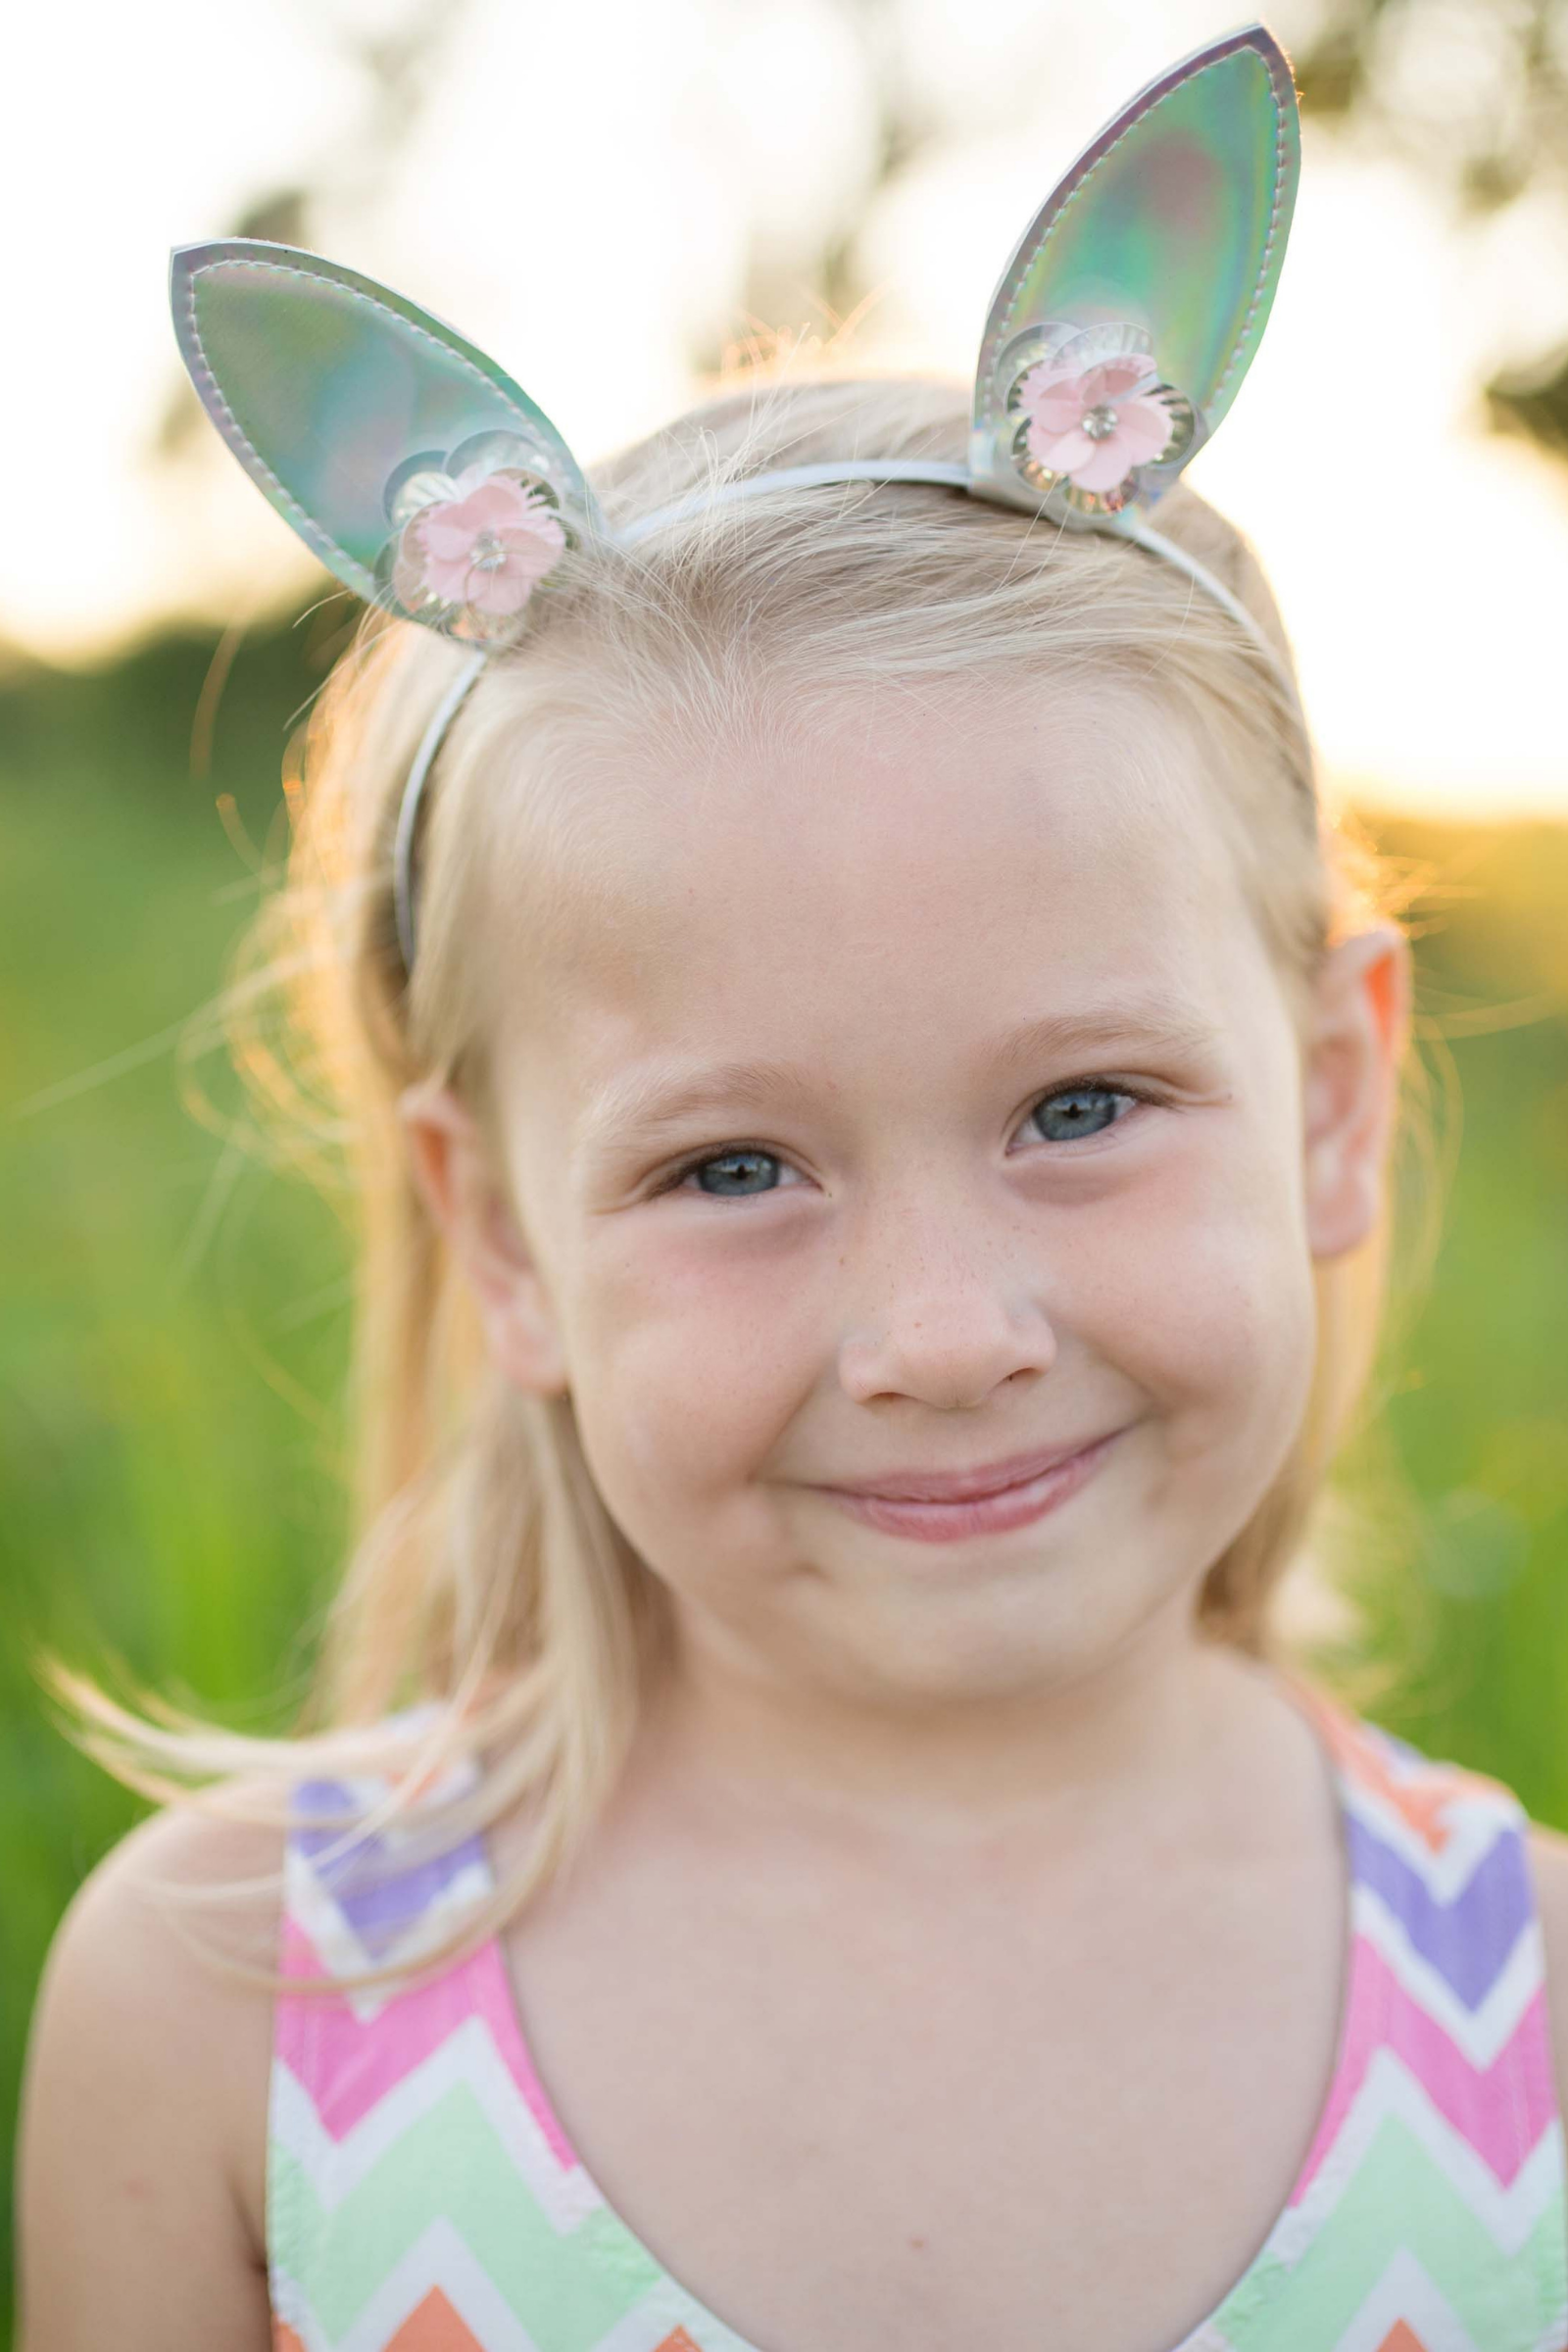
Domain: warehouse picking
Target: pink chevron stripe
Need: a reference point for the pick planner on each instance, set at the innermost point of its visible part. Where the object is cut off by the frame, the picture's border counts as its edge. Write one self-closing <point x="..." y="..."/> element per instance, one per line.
<point x="1500" y="2112"/>
<point x="346" y="2067"/>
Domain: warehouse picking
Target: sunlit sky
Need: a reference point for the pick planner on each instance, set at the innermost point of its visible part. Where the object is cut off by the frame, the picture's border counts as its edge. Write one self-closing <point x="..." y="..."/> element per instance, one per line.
<point x="578" y="195"/>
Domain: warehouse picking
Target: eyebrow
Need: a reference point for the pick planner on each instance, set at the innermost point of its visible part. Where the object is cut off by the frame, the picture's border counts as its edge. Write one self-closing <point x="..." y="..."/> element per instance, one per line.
<point x="647" y="1104"/>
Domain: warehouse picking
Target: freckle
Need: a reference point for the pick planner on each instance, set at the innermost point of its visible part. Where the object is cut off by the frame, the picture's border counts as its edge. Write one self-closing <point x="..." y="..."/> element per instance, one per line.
<point x="917" y="2241"/>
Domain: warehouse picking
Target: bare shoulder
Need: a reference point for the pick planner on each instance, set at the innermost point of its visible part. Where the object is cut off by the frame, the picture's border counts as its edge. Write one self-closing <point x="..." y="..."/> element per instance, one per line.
<point x="1548" y="1862"/>
<point x="144" y="2106"/>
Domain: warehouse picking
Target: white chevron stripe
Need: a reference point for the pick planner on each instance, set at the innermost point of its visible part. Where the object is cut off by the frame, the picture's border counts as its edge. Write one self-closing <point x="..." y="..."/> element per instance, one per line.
<point x="467" y="2057"/>
<point x="286" y="2296"/>
<point x="1390" y="2088"/>
<point x="342" y="1952"/>
<point x="1478" y="2033"/>
<point x="1406" y="2292"/>
<point x="1474" y="1826"/>
<point x="438" y="2257"/>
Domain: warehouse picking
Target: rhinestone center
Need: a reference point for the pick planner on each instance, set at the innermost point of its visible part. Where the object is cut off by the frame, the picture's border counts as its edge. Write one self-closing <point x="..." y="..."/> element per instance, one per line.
<point x="1099" y="421"/>
<point x="488" y="554"/>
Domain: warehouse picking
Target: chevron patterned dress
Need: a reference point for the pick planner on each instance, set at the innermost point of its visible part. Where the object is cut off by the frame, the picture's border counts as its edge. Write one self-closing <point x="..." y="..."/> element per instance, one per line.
<point x="423" y="2197"/>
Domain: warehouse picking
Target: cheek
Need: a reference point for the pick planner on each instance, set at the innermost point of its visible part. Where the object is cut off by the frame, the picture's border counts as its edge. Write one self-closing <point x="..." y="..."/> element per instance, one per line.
<point x="694" y="1359"/>
<point x="1198" y="1283"/>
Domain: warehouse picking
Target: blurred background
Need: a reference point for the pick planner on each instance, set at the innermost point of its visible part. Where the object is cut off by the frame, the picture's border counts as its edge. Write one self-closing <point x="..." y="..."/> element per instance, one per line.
<point x="618" y="202"/>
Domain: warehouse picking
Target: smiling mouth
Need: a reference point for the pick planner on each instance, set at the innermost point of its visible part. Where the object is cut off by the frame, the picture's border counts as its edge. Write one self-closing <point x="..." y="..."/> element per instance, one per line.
<point x="993" y="1512"/>
<point x="968" y="1486"/>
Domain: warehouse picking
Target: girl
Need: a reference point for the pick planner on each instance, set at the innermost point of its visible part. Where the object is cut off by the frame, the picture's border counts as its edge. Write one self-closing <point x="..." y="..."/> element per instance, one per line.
<point x="872" y="1077"/>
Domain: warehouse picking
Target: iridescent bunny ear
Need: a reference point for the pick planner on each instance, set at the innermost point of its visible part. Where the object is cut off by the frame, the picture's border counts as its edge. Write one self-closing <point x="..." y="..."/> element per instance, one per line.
<point x="407" y="461"/>
<point x="1128" y="316"/>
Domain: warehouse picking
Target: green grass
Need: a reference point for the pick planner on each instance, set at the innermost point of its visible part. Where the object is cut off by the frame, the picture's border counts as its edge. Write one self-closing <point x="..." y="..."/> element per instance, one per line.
<point x="164" y="1500"/>
<point x="174" y="1329"/>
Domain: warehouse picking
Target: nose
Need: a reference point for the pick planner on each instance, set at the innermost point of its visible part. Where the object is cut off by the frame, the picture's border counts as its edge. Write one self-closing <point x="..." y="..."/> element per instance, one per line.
<point x="956" y="1318"/>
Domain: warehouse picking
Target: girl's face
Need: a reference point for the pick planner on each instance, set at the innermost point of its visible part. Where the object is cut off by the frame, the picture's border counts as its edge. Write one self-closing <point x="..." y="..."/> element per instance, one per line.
<point x="927" y="1099"/>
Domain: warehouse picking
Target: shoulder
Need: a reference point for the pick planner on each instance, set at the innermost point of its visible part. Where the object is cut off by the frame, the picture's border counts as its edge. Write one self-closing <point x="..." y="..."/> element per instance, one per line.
<point x="144" y="2115"/>
<point x="1548" y="1863"/>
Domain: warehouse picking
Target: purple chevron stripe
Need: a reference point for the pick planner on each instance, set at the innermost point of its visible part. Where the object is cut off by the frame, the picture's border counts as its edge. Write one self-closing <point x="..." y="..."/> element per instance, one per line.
<point x="379" y="1896"/>
<point x="1466" y="1941"/>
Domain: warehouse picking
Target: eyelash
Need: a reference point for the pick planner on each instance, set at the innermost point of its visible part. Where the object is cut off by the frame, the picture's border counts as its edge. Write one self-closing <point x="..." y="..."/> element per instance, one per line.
<point x="1076" y="1086"/>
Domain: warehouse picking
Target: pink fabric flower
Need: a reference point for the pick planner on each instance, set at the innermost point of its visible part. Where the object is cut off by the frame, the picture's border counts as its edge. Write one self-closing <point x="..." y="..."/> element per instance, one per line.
<point x="1095" y="424"/>
<point x="487" y="549"/>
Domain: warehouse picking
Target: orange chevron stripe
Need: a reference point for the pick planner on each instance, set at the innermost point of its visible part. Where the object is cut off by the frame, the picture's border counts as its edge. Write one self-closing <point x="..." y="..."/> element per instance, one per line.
<point x="680" y="2341"/>
<point x="1401" y="2338"/>
<point x="1421" y="1804"/>
<point x="434" y="2327"/>
<point x="284" y="2338"/>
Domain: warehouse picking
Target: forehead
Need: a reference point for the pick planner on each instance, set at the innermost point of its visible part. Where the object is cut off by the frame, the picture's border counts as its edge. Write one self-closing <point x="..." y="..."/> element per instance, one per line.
<point x="873" y="888"/>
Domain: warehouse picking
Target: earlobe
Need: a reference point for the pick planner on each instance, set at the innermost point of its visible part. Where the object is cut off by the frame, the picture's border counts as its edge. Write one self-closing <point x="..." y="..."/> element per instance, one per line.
<point x="1358" y="1045"/>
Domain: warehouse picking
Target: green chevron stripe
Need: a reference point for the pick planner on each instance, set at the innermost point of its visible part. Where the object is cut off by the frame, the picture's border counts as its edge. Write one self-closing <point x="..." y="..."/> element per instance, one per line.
<point x="450" y="2165"/>
<point x="577" y="2287"/>
<point x="1399" y="2202"/>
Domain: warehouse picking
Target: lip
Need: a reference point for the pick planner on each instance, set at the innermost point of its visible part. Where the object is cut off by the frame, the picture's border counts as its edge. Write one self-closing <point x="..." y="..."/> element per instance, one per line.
<point x="964" y="1486"/>
<point x="978" y="1515"/>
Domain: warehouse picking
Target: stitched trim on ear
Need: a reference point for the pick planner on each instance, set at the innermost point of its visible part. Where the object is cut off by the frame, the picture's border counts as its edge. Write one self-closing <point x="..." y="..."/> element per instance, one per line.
<point x="1280" y="143"/>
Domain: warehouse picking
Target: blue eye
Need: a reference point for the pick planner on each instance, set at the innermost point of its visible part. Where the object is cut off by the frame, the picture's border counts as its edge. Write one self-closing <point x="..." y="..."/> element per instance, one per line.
<point x="740" y="1163"/>
<point x="1083" y="1110"/>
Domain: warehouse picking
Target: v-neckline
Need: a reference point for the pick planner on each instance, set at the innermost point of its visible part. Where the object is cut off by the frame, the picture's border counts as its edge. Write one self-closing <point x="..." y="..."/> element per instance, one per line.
<point x="1262" y="2276"/>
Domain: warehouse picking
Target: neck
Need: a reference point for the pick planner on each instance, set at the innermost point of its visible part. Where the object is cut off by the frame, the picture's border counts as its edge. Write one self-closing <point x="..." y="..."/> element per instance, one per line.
<point x="1069" y="1756"/>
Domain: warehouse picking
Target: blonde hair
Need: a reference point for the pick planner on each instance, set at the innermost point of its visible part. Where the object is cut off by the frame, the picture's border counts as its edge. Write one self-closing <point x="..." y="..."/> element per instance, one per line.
<point x="488" y="1577"/>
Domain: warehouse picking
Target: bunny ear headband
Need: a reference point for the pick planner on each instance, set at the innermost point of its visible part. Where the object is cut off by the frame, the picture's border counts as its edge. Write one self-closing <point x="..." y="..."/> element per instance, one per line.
<point x="1117" y="338"/>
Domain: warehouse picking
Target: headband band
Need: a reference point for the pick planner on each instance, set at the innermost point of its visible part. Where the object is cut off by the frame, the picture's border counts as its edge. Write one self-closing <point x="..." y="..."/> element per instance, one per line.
<point x="789" y="478"/>
<point x="1117" y="338"/>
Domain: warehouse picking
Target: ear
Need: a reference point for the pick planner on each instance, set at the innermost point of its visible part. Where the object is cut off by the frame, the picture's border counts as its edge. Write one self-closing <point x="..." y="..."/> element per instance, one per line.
<point x="468" y="1196"/>
<point x="361" y="417"/>
<point x="1165" y="237"/>
<point x="1359" y="1032"/>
